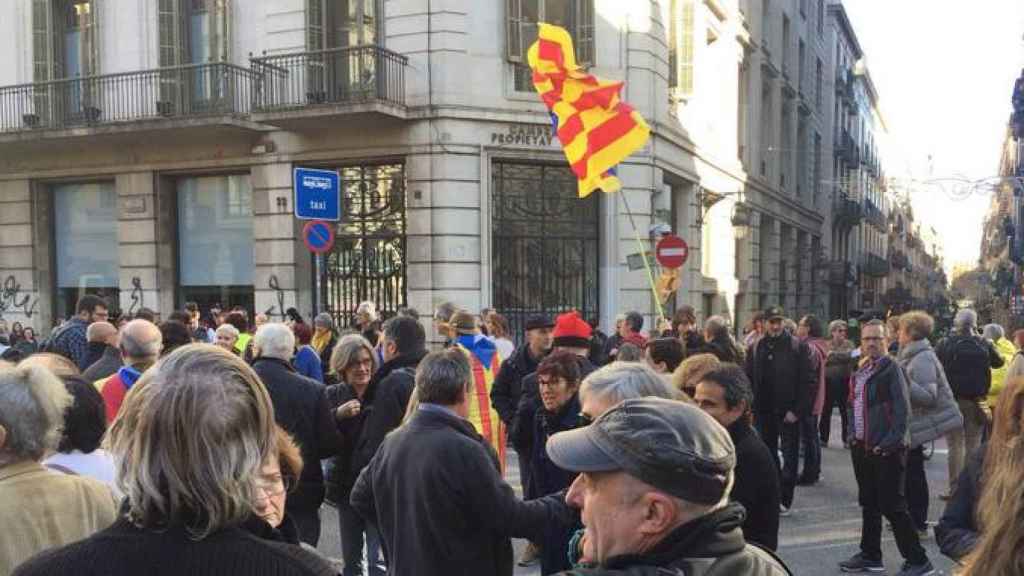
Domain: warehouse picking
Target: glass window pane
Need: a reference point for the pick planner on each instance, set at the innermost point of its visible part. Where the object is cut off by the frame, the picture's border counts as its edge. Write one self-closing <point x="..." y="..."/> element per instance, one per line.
<point x="559" y="13"/>
<point x="215" y="231"/>
<point x="85" y="224"/>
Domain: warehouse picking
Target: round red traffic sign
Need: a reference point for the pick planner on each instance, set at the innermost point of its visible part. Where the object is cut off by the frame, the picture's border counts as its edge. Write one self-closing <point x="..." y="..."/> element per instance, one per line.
<point x="318" y="236"/>
<point x="671" y="251"/>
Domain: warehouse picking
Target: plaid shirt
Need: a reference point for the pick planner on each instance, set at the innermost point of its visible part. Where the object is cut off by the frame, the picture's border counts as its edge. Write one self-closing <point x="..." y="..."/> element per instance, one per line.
<point x="71" y="341"/>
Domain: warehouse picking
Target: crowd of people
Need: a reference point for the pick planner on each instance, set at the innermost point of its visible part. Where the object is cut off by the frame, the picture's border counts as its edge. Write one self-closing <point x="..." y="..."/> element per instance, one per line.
<point x="210" y="443"/>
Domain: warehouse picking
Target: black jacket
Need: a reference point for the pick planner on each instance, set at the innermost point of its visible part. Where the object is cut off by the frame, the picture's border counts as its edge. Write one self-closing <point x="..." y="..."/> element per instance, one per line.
<point x="709" y="546"/>
<point x="381" y="411"/>
<point x="521" y="430"/>
<point x="756" y="486"/>
<point x="547" y="478"/>
<point x="693" y="343"/>
<point x="508" y="384"/>
<point x="965" y="380"/>
<point x="724" y="351"/>
<point x="957" y="531"/>
<point x="126" y="550"/>
<point x="301" y="408"/>
<point x="780" y="372"/>
<point x="886" y="408"/>
<point x="108" y="363"/>
<point x="435" y="491"/>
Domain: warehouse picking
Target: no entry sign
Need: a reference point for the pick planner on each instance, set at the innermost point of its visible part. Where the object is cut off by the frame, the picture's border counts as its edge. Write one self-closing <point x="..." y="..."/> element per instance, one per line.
<point x="318" y="236"/>
<point x="671" y="251"/>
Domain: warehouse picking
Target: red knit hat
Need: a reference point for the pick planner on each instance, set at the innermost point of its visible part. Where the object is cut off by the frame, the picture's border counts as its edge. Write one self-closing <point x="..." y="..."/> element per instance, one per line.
<point x="571" y="331"/>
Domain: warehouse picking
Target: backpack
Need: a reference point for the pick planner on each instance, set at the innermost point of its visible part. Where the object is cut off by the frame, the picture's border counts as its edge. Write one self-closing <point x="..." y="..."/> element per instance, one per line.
<point x="969" y="370"/>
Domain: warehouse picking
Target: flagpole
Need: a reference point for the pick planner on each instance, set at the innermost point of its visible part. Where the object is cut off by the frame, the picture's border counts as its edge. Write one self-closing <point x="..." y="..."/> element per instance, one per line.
<point x="643" y="255"/>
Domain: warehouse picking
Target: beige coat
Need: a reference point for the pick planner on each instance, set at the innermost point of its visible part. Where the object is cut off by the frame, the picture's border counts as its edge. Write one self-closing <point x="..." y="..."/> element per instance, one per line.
<point x="42" y="509"/>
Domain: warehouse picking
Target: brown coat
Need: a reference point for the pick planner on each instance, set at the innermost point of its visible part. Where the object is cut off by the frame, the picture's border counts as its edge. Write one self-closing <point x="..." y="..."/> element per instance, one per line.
<point x="42" y="509"/>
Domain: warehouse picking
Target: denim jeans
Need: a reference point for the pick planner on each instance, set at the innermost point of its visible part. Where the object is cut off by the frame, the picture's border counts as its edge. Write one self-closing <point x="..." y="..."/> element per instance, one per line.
<point x="352" y="528"/>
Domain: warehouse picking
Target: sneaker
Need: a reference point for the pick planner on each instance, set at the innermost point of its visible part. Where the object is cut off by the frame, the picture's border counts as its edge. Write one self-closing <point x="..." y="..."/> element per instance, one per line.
<point x="784" y="511"/>
<point x="858" y="563"/>
<point x="531" y="554"/>
<point x="909" y="569"/>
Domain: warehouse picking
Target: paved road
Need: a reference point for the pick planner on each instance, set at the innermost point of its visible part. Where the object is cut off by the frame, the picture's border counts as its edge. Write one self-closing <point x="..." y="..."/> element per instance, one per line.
<point x="823" y="529"/>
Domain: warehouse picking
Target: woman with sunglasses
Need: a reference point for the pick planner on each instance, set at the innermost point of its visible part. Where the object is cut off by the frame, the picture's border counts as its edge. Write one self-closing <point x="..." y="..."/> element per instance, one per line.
<point x="558" y="380"/>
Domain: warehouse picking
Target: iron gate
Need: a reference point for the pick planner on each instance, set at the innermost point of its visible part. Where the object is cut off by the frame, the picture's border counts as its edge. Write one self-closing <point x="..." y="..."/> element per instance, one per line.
<point x="368" y="261"/>
<point x="545" y="243"/>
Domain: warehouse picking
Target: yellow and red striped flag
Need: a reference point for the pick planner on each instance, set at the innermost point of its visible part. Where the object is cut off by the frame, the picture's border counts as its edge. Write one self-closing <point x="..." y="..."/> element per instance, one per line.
<point x="597" y="129"/>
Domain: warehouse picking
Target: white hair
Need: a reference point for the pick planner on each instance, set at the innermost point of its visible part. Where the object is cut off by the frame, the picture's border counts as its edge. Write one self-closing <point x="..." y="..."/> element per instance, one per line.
<point x="993" y="332"/>
<point x="965" y="319"/>
<point x="275" y="340"/>
<point x="369" y="308"/>
<point x="227" y="329"/>
<point x="620" y="381"/>
<point x="32" y="405"/>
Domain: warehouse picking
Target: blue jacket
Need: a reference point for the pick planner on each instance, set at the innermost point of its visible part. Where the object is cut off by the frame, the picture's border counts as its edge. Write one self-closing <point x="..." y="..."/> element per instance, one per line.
<point x="307" y="363"/>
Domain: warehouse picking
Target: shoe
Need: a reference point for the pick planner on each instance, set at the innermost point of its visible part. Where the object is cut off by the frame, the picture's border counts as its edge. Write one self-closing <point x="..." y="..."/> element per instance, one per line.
<point x="909" y="569"/>
<point x="807" y="481"/>
<point x="945" y="496"/>
<point x="924" y="534"/>
<point x="784" y="511"/>
<point x="531" y="554"/>
<point x="858" y="563"/>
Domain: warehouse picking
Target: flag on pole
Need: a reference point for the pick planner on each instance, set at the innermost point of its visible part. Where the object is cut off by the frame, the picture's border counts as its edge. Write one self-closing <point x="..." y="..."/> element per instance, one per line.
<point x="597" y="130"/>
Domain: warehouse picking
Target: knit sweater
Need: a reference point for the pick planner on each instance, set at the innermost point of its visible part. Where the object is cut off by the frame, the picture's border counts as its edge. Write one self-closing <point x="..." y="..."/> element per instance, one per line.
<point x="128" y="550"/>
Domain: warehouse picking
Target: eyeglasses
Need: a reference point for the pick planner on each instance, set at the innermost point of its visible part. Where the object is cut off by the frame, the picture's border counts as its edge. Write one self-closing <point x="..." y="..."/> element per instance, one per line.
<point x="871" y="338"/>
<point x="271" y="487"/>
<point x="550" y="382"/>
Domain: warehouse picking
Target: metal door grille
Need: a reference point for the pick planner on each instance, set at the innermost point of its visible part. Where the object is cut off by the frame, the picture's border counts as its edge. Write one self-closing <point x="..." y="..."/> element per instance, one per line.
<point x="368" y="261"/>
<point x="545" y="243"/>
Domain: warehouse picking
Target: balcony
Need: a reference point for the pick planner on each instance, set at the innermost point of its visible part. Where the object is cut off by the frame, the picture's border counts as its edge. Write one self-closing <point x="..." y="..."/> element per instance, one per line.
<point x="899" y="260"/>
<point x="874" y="215"/>
<point x="217" y="93"/>
<point x="846" y="149"/>
<point x="874" y="265"/>
<point x="846" y="212"/>
<point x="306" y="86"/>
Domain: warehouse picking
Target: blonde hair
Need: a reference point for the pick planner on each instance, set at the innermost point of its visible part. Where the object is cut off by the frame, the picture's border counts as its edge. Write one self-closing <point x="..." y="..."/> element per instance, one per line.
<point x="345" y="352"/>
<point x="59" y="366"/>
<point x="32" y="405"/>
<point x="190" y="440"/>
<point x="1000" y="550"/>
<point x="692" y="370"/>
<point x="289" y="457"/>
<point x="919" y="325"/>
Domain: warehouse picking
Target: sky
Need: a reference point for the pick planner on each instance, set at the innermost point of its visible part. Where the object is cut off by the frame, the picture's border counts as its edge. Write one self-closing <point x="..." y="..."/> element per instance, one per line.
<point x="944" y="71"/>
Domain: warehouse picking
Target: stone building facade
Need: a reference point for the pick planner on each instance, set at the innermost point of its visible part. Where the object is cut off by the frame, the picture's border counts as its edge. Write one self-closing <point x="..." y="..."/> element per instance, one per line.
<point x="147" y="152"/>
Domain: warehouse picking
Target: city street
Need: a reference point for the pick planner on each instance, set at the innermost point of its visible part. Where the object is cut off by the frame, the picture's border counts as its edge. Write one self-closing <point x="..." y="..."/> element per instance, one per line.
<point x="823" y="529"/>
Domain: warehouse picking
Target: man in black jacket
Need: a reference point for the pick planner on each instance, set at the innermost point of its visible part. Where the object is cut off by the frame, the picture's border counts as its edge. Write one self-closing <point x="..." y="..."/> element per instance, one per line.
<point x="435" y="490"/>
<point x="779" y="368"/>
<point x="301" y="408"/>
<point x="725" y="394"/>
<point x="967" y="359"/>
<point x="657" y="511"/>
<point x="381" y="410"/>
<point x="104" y="352"/>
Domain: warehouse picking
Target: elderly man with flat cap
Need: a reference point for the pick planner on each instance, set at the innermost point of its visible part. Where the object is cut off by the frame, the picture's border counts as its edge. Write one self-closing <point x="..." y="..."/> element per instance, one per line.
<point x="653" y="487"/>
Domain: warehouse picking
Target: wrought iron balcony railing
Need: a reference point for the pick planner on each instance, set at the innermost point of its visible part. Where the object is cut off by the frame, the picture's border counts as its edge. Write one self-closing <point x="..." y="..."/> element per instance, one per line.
<point x="180" y="91"/>
<point x="874" y="265"/>
<point x="358" y="74"/>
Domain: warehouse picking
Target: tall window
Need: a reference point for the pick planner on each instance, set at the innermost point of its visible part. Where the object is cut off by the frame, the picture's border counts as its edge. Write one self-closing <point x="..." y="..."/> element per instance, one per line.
<point x="817" y="85"/>
<point x="785" y="45"/>
<point x="766" y="126"/>
<point x="576" y="16"/>
<point x="821" y="18"/>
<point x="680" y="47"/>
<point x="342" y="23"/>
<point x="215" y="258"/>
<point x="193" y="31"/>
<point x="64" y="36"/>
<point x="816" y="184"/>
<point x="85" y="243"/>
<point x="801" y="55"/>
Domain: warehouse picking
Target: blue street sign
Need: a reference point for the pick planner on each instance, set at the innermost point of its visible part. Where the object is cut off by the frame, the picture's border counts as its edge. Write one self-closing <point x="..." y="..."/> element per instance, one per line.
<point x="317" y="194"/>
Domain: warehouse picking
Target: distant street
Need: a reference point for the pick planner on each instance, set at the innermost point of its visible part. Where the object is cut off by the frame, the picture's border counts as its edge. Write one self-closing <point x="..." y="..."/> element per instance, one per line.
<point x="823" y="529"/>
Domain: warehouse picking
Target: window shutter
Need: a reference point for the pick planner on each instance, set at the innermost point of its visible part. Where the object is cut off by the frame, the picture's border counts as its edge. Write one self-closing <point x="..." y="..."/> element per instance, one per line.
<point x="514" y="33"/>
<point x="314" y="25"/>
<point x="42" y="41"/>
<point x="585" y="32"/>
<point x="220" y="29"/>
<point x="169" y="30"/>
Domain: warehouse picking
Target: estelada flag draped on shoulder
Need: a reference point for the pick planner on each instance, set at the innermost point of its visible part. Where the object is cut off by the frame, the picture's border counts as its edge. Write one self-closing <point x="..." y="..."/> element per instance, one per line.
<point x="484" y="363"/>
<point x="597" y="129"/>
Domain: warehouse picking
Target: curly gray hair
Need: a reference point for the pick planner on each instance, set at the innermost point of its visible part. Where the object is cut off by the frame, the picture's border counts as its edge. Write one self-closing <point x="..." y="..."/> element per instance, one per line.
<point x="32" y="405"/>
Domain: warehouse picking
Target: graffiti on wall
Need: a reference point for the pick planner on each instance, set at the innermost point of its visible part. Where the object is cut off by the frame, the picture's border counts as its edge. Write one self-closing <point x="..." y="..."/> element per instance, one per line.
<point x="276" y="311"/>
<point x="13" y="301"/>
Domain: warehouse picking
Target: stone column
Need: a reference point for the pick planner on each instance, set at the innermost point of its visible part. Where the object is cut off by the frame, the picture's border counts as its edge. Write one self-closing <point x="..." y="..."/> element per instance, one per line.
<point x="145" y="249"/>
<point x="276" y="243"/>
<point x="20" y="289"/>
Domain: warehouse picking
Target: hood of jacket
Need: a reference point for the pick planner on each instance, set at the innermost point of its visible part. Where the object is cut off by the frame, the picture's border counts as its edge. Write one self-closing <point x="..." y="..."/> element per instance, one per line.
<point x="480" y="346"/>
<point x="908" y="351"/>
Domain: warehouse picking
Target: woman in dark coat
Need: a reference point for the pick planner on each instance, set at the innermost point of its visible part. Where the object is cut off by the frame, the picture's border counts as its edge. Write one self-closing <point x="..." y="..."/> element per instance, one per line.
<point x="558" y="379"/>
